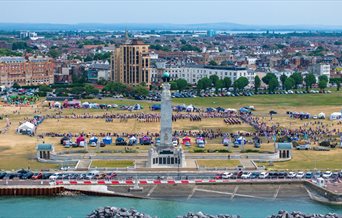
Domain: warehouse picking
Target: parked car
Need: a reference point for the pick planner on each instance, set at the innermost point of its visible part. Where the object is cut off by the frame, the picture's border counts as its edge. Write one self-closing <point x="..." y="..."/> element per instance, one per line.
<point x="303" y="147"/>
<point x="291" y="175"/>
<point x="37" y="176"/>
<point x="308" y="175"/>
<point x="226" y="175"/>
<point x="263" y="175"/>
<point x="327" y="174"/>
<point x="246" y="175"/>
<point x="300" y="175"/>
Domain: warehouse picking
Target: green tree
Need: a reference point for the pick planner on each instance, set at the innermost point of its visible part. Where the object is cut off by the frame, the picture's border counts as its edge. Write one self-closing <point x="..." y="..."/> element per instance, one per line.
<point x="283" y="78"/>
<point x="298" y="78"/>
<point x="336" y="81"/>
<point x="173" y="85"/>
<point x="322" y="84"/>
<point x="273" y="85"/>
<point x="115" y="88"/>
<point x="289" y="83"/>
<point x="227" y="82"/>
<point x="77" y="90"/>
<point x="214" y="79"/>
<point x="54" y="53"/>
<point x="45" y="89"/>
<point x="212" y="63"/>
<point x="268" y="77"/>
<point x="240" y="83"/>
<point x="140" y="90"/>
<point x="323" y="77"/>
<point x="181" y="84"/>
<point x="257" y="83"/>
<point x="204" y="83"/>
<point x="15" y="85"/>
<point x="89" y="89"/>
<point x="309" y="80"/>
<point x="219" y="84"/>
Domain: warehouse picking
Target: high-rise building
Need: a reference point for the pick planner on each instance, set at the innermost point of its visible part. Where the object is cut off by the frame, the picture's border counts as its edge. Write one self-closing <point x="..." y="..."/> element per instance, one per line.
<point x="130" y="63"/>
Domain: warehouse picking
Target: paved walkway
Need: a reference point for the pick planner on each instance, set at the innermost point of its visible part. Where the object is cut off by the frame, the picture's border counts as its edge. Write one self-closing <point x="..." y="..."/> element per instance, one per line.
<point x="246" y="163"/>
<point x="83" y="164"/>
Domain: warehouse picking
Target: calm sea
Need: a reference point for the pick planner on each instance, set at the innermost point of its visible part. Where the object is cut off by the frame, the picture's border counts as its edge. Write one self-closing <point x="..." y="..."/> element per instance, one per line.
<point x="80" y="206"/>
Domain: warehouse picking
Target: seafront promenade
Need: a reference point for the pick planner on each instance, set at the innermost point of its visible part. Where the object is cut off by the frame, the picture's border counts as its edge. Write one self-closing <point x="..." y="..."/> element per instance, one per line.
<point x="181" y="188"/>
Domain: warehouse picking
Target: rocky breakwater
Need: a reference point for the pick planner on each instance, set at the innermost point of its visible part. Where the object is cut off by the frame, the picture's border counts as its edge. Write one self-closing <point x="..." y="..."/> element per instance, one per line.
<point x="114" y="212"/>
<point x="285" y="214"/>
<point x="203" y="215"/>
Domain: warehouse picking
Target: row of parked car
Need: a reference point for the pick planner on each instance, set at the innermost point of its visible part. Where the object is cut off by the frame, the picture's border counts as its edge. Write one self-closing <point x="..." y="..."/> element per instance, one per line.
<point x="26" y="175"/>
<point x="279" y="175"/>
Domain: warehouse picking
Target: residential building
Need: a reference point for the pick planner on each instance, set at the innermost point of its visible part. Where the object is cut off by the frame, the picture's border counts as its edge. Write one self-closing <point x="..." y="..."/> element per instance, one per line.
<point x="196" y="72"/>
<point x="30" y="71"/>
<point x="320" y="69"/>
<point x="130" y="63"/>
<point x="97" y="71"/>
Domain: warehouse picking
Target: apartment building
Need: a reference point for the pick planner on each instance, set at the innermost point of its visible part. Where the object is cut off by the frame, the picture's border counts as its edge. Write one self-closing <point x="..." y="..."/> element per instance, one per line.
<point x="26" y="71"/>
<point x="130" y="63"/>
<point x="194" y="73"/>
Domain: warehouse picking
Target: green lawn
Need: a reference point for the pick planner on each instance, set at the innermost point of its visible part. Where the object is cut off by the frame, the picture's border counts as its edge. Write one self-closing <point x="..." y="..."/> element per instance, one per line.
<point x="303" y="160"/>
<point x="218" y="163"/>
<point x="333" y="99"/>
<point x="112" y="163"/>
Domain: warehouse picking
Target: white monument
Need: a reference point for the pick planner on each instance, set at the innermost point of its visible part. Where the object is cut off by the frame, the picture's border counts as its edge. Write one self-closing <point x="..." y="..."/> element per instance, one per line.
<point x="165" y="154"/>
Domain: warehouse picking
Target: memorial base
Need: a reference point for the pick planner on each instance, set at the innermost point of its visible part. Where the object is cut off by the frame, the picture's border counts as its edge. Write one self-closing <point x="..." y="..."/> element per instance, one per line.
<point x="166" y="158"/>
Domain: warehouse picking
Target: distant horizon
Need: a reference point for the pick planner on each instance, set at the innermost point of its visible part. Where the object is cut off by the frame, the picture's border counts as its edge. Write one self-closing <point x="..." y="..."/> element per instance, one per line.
<point x="244" y="12"/>
<point x="217" y="26"/>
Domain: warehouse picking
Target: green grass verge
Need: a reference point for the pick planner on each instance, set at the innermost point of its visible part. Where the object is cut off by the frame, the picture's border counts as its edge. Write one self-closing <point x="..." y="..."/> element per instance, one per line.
<point x="218" y="163"/>
<point x="309" y="160"/>
<point x="112" y="163"/>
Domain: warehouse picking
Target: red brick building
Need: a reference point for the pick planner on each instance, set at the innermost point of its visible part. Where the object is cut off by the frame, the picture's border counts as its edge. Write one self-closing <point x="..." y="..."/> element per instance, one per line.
<point x="25" y="72"/>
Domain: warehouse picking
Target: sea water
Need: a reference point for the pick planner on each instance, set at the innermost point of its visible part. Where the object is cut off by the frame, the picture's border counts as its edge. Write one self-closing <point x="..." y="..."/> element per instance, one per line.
<point x="80" y="206"/>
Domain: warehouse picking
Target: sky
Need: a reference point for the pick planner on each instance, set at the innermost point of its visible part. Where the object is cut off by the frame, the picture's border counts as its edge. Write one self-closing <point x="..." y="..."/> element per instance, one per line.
<point x="255" y="12"/>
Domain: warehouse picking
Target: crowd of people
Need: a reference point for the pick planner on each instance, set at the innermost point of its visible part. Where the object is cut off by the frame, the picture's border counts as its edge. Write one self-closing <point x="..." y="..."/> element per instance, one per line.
<point x="313" y="130"/>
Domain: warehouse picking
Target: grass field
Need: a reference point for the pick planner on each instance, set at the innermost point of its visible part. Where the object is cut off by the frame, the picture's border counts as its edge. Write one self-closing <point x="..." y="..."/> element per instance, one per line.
<point x="218" y="163"/>
<point x="112" y="163"/>
<point x="17" y="151"/>
<point x="303" y="160"/>
<point x="294" y="100"/>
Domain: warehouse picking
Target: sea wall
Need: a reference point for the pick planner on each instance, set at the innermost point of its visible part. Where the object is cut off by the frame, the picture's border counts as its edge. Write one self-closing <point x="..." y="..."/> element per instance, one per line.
<point x="31" y="191"/>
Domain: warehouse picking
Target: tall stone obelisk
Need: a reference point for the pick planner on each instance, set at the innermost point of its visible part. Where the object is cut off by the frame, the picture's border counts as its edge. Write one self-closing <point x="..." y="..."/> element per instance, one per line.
<point x="166" y="117"/>
<point x="165" y="154"/>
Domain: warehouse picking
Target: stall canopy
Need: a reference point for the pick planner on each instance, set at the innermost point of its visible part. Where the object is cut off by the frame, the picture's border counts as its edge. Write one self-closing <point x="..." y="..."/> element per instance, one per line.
<point x="93" y="139"/>
<point x="107" y="140"/>
<point x="79" y="140"/>
<point x="57" y="104"/>
<point x="321" y="115"/>
<point x="185" y="140"/>
<point x="27" y="126"/>
<point x="336" y="116"/>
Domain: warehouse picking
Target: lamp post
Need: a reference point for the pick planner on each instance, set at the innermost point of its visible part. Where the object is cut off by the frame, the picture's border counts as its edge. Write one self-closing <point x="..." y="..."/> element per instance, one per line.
<point x="178" y="162"/>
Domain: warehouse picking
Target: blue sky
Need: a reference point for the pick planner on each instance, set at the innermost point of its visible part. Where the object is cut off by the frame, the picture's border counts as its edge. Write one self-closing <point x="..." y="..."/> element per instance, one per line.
<point x="267" y="12"/>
